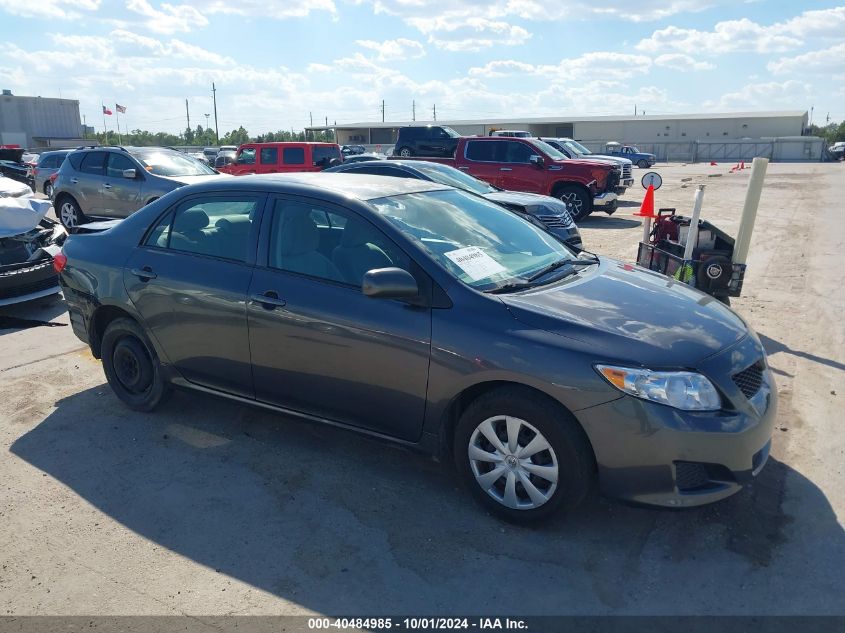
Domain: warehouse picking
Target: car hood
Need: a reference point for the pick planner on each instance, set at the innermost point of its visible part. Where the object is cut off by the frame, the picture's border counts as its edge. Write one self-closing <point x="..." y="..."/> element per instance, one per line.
<point x="623" y="313"/>
<point x="21" y="214"/>
<point x="614" y="159"/>
<point x="532" y="202"/>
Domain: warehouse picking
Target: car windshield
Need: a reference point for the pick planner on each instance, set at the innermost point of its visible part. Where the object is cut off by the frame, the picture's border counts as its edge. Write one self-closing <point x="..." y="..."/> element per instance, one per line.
<point x="577" y="148"/>
<point x="450" y="132"/>
<point x="547" y="149"/>
<point x="446" y="175"/>
<point x="635" y="150"/>
<point x="480" y="243"/>
<point x="170" y="163"/>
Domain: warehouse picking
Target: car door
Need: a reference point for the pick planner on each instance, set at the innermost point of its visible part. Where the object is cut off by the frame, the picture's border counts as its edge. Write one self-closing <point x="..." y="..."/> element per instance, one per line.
<point x="482" y="159"/>
<point x="319" y="345"/>
<point x="188" y="281"/>
<point x="121" y="196"/>
<point x="516" y="173"/>
<point x="88" y="182"/>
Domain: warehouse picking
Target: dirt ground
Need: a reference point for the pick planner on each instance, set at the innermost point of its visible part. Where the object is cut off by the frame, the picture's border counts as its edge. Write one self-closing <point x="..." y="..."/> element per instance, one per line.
<point x="211" y="508"/>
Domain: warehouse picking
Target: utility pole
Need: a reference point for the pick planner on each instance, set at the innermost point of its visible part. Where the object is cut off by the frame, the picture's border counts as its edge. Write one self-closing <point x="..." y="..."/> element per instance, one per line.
<point x="635" y="109"/>
<point x="214" y="97"/>
<point x="434" y="111"/>
<point x="382" y="110"/>
<point x="188" y="114"/>
<point x="327" y="121"/>
<point x="85" y="126"/>
<point x="413" y="110"/>
<point x="811" y="114"/>
<point x="311" y="118"/>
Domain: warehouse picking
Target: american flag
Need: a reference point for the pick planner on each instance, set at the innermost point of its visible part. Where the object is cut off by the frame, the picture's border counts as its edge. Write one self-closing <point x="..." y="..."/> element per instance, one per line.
<point x="120" y="108"/>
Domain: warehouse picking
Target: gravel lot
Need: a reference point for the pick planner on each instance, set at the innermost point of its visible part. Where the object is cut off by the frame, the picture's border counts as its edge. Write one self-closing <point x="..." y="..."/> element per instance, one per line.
<point x="210" y="508"/>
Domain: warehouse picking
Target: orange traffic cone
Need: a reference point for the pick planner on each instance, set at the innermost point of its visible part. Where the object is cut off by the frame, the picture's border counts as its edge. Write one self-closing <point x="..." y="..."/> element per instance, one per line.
<point x="647" y="207"/>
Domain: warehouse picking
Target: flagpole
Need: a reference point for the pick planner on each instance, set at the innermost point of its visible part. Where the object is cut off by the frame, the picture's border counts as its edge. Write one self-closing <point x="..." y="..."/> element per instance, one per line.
<point x="117" y="120"/>
<point x="105" y="129"/>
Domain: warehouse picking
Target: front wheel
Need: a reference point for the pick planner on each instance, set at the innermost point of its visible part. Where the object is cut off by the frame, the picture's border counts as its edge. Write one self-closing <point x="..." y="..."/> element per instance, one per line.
<point x="405" y="152"/>
<point x="131" y="366"/>
<point x="577" y="201"/>
<point x="522" y="457"/>
<point x="642" y="164"/>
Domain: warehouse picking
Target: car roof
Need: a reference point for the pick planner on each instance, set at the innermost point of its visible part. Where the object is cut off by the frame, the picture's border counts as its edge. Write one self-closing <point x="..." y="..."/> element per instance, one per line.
<point x="359" y="186"/>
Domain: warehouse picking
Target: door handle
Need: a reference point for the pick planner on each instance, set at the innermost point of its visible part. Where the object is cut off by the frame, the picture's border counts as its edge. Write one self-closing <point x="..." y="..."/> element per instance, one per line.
<point x="505" y="169"/>
<point x="74" y="181"/>
<point x="144" y="274"/>
<point x="269" y="300"/>
<point x="107" y="186"/>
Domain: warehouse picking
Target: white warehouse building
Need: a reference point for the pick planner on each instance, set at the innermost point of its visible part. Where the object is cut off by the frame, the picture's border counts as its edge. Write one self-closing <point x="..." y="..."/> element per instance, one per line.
<point x="780" y="135"/>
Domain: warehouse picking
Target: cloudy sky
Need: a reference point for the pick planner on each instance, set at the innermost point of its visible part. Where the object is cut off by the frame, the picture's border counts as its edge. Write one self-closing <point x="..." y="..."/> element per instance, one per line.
<point x="276" y="61"/>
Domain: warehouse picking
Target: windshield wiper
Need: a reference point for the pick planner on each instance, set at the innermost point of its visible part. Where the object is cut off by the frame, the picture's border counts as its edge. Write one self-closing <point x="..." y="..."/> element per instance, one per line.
<point x="560" y="264"/>
<point x="509" y="287"/>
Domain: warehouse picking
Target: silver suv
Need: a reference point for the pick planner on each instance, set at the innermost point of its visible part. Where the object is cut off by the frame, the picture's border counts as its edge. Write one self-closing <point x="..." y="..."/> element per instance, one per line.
<point x="114" y="182"/>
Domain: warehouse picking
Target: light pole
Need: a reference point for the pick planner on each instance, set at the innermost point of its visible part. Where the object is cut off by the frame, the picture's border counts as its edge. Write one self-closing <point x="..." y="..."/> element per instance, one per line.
<point x="206" y="120"/>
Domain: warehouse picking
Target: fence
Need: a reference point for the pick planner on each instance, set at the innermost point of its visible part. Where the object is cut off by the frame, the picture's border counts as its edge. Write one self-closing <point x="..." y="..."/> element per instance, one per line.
<point x="792" y="148"/>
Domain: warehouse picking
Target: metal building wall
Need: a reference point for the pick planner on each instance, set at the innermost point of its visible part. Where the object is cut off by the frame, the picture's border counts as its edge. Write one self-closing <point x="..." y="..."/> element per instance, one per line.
<point x="31" y="121"/>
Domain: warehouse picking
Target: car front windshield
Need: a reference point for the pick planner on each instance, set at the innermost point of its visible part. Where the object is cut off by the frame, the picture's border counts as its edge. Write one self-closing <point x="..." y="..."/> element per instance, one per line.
<point x="171" y="163"/>
<point x="635" y="150"/>
<point x="451" y="132"/>
<point x="480" y="243"/>
<point x="576" y="147"/>
<point x="547" y="149"/>
<point x="446" y="175"/>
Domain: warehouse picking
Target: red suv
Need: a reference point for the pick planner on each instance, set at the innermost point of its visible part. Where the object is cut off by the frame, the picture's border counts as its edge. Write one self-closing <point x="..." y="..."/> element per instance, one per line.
<point x="272" y="158"/>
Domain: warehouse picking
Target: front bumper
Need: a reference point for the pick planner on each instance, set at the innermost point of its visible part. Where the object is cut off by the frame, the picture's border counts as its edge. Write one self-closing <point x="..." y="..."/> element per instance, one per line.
<point x="654" y="454"/>
<point x="607" y="201"/>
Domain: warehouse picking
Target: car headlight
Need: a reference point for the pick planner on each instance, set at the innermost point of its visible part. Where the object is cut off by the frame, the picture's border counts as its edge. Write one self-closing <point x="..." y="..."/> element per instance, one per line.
<point x="684" y="390"/>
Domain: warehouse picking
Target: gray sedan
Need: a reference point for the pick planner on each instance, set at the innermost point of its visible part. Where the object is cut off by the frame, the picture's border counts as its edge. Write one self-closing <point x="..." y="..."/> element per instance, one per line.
<point x="430" y="317"/>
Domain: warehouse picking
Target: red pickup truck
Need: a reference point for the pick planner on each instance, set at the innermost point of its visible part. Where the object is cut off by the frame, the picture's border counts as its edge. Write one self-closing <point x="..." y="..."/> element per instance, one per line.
<point x="526" y="164"/>
<point x="274" y="158"/>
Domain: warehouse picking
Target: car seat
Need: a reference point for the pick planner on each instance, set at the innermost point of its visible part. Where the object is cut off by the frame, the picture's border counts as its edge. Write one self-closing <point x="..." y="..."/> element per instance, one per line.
<point x="188" y="234"/>
<point x="356" y="253"/>
<point x="296" y="247"/>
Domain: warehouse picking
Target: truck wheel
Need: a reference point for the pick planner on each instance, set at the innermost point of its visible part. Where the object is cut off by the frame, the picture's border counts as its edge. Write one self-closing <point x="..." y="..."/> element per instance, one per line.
<point x="642" y="163"/>
<point x="405" y="152"/>
<point x="577" y="200"/>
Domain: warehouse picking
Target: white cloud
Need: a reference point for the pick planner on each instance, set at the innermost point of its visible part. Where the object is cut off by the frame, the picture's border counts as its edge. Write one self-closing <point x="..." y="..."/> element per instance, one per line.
<point x="745" y="35"/>
<point x="470" y="33"/>
<point x="679" y="61"/>
<point x="764" y="96"/>
<point x="276" y="9"/>
<point x="53" y="9"/>
<point x="398" y="49"/>
<point x="828" y="60"/>
<point x="170" y="19"/>
<point x="607" y="65"/>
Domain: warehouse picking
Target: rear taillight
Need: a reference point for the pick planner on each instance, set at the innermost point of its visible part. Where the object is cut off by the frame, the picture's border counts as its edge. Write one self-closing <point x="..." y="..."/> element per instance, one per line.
<point x="59" y="262"/>
<point x="53" y="177"/>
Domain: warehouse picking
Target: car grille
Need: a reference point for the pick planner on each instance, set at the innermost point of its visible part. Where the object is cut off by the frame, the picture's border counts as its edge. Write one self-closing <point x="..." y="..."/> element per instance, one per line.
<point x="690" y="475"/>
<point x="750" y="379"/>
<point x="614" y="178"/>
<point x="561" y="221"/>
<point x="626" y="171"/>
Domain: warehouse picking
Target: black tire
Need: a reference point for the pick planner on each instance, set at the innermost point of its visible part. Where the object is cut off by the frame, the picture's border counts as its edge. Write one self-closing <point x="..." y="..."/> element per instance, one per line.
<point x="577" y="200"/>
<point x="132" y="367"/>
<point x="643" y="163"/>
<point x="405" y="152"/>
<point x="48" y="189"/>
<point x="569" y="447"/>
<point x="69" y="213"/>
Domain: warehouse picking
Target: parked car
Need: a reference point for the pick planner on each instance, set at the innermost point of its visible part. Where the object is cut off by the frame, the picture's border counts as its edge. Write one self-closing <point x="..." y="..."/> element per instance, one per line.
<point x="548" y="212"/>
<point x="28" y="242"/>
<point x="426" y="315"/>
<point x="48" y="164"/>
<point x="210" y="153"/>
<point x="272" y="158"/>
<point x="643" y="160"/>
<point x="512" y="133"/>
<point x="12" y="165"/>
<point x="574" y="149"/>
<point x="114" y="182"/>
<point x="426" y="140"/>
<point x="530" y="165"/>
<point x="837" y="150"/>
<point x="360" y="158"/>
<point x="351" y="150"/>
<point x="224" y="157"/>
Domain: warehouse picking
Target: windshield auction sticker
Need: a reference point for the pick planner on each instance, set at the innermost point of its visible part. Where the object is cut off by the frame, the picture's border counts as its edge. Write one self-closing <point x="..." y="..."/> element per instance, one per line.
<point x="475" y="263"/>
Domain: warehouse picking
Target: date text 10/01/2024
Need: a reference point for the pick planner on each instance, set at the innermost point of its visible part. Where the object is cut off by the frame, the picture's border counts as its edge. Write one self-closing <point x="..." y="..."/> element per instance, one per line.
<point x="418" y="624"/>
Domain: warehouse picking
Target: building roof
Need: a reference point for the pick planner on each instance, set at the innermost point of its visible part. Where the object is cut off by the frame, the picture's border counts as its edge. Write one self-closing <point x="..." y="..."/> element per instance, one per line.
<point x="566" y="119"/>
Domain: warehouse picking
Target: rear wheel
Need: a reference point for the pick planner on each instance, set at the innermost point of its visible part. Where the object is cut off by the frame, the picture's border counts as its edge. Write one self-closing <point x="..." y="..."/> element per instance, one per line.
<point x="69" y="213"/>
<point x="48" y="190"/>
<point x="577" y="200"/>
<point x="132" y="367"/>
<point x="405" y="152"/>
<point x="522" y="457"/>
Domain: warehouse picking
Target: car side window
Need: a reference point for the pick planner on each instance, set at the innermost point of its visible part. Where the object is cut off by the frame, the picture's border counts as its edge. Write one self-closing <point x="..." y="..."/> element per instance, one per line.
<point x="246" y="157"/>
<point x="293" y="156"/>
<point x="482" y="151"/>
<point x="117" y="163"/>
<point x="215" y="226"/>
<point x="516" y="152"/>
<point x="75" y="160"/>
<point x="269" y="155"/>
<point x="328" y="243"/>
<point x="94" y="163"/>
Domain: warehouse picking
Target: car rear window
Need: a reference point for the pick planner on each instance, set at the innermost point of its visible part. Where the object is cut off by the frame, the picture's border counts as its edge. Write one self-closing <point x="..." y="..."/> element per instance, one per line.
<point x="293" y="156"/>
<point x="322" y="156"/>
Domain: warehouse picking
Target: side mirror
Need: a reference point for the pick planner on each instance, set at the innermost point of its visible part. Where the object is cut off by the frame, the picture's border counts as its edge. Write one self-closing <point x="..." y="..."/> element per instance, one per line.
<point x="130" y="174"/>
<point x="389" y="283"/>
<point x="536" y="160"/>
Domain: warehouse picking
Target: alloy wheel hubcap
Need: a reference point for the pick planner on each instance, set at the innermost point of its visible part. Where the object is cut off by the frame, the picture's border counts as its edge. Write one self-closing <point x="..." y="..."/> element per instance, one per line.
<point x="513" y="462"/>
<point x="572" y="201"/>
<point x="68" y="214"/>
